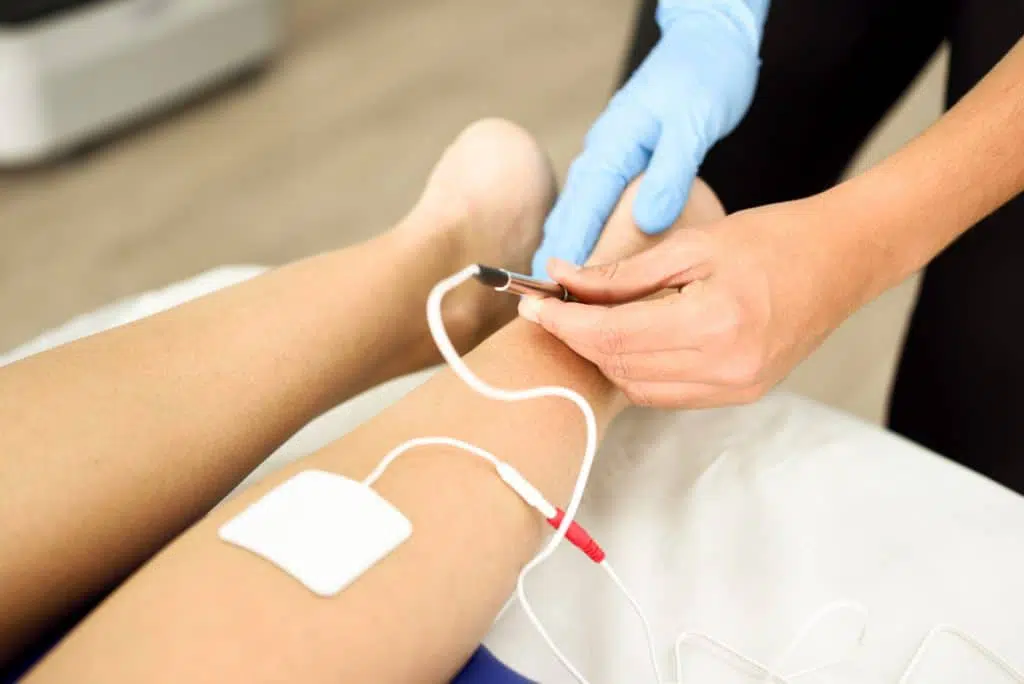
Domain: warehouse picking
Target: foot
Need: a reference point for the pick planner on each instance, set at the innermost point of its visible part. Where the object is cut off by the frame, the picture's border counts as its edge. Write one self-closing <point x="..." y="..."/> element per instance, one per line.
<point x="488" y="195"/>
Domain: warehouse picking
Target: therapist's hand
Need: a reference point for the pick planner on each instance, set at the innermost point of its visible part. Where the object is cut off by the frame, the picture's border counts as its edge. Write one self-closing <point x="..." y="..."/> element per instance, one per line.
<point x="760" y="289"/>
<point x="692" y="90"/>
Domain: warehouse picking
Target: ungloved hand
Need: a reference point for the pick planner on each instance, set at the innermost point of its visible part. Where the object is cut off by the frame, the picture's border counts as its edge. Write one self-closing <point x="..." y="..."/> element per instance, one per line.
<point x="757" y="292"/>
<point x="691" y="91"/>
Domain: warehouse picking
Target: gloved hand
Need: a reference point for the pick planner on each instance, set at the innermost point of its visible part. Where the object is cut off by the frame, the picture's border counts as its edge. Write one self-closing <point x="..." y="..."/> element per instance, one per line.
<point x="691" y="91"/>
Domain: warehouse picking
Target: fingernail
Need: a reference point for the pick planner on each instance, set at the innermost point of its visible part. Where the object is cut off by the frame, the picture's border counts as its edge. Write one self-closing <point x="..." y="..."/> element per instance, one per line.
<point x="529" y="308"/>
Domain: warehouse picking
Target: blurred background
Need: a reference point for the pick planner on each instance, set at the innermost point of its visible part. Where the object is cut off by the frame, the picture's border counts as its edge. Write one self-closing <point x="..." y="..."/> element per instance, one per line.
<point x="331" y="141"/>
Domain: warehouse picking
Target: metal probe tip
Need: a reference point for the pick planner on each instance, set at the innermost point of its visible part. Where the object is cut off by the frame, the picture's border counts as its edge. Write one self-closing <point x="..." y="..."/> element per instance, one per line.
<point x="492" y="277"/>
<point x="516" y="283"/>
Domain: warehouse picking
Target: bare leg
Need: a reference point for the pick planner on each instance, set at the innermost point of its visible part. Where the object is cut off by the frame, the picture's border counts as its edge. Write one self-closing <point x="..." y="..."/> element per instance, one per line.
<point x="112" y="445"/>
<point x="203" y="610"/>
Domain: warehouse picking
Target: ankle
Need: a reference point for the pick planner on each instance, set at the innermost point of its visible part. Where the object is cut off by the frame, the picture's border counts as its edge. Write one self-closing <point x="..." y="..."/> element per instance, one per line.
<point x="442" y="211"/>
<point x="435" y="232"/>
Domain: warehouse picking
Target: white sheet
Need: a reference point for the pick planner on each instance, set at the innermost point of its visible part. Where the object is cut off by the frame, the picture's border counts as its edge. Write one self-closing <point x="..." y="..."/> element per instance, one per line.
<point x="741" y="523"/>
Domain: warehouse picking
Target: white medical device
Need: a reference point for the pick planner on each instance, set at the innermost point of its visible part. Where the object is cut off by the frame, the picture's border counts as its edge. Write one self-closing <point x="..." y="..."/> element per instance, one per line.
<point x="323" y="529"/>
<point x="75" y="70"/>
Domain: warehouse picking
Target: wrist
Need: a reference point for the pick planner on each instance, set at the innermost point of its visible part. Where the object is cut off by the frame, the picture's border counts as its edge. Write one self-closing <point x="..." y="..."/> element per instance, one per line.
<point x="888" y="219"/>
<point x="744" y="17"/>
<point x="852" y="253"/>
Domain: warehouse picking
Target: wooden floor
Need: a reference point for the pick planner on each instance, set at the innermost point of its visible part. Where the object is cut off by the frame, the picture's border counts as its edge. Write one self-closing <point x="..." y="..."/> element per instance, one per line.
<point x="331" y="144"/>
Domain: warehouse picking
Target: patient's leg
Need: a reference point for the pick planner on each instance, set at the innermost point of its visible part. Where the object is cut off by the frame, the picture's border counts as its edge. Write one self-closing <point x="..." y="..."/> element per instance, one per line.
<point x="112" y="445"/>
<point x="204" y="610"/>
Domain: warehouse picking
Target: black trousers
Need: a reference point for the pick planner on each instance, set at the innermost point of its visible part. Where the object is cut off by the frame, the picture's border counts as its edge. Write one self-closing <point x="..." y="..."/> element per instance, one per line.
<point x="830" y="71"/>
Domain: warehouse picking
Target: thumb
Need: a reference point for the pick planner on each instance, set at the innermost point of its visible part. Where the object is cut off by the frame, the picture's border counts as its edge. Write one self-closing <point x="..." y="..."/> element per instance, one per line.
<point x="674" y="262"/>
<point x="666" y="185"/>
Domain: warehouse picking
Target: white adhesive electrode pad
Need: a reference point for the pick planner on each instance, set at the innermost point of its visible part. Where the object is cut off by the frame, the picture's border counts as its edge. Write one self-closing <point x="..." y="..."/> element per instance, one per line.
<point x="323" y="529"/>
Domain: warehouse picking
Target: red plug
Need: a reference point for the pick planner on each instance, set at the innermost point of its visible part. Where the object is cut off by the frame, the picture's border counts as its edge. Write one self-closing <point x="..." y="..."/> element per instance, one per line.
<point x="578" y="537"/>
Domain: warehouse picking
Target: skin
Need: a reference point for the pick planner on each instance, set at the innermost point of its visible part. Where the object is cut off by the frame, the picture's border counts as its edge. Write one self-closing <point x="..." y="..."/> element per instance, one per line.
<point x="203" y="610"/>
<point x="112" y="445"/>
<point x="763" y="288"/>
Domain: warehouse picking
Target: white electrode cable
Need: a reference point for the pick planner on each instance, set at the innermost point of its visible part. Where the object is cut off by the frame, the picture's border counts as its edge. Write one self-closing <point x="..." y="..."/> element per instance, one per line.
<point x="533" y="497"/>
<point x="726" y="653"/>
<point x="444" y="344"/>
<point x="385" y="462"/>
<point x="651" y="651"/>
<point x="772" y="675"/>
<point x="972" y="641"/>
<point x="805" y="631"/>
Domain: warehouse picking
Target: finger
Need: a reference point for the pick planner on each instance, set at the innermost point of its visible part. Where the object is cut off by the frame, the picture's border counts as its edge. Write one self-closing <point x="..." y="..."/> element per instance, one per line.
<point x="575" y="223"/>
<point x="675" y="262"/>
<point x="624" y="125"/>
<point x="591" y="192"/>
<point x="693" y="334"/>
<point x="690" y="336"/>
<point x="615" y="154"/>
<point x="596" y="332"/>
<point x="666" y="185"/>
<point x="571" y="323"/>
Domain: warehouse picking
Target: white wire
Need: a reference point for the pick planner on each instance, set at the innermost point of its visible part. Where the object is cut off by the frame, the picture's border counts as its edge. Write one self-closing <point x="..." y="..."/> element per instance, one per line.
<point x="640" y="613"/>
<point x="976" y="644"/>
<point x="459" y="367"/>
<point x="372" y="478"/>
<point x="771" y="674"/>
<point x="719" y="647"/>
<point x="435" y="322"/>
<point x="811" y="623"/>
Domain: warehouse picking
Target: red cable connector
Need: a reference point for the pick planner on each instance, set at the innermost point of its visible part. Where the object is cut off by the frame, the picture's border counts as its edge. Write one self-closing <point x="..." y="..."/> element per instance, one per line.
<point x="578" y="537"/>
<point x="575" y="534"/>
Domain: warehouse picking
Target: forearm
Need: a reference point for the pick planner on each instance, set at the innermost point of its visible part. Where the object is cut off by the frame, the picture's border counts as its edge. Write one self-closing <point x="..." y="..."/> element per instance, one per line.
<point x="204" y="609"/>
<point x="903" y="212"/>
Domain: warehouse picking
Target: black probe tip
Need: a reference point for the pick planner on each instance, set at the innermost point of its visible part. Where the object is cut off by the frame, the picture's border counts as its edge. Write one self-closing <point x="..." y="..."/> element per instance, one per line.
<point x="492" y="277"/>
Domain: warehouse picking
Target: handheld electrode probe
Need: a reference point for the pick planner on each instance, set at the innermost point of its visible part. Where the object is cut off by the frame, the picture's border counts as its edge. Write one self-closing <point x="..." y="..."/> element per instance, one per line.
<point x="516" y="283"/>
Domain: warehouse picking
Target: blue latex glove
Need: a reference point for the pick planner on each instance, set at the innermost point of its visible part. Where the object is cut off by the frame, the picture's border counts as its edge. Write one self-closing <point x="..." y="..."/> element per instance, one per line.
<point x="690" y="92"/>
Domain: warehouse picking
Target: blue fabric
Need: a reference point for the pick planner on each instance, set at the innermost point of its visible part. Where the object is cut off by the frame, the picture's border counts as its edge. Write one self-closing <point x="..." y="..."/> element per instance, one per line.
<point x="485" y="668"/>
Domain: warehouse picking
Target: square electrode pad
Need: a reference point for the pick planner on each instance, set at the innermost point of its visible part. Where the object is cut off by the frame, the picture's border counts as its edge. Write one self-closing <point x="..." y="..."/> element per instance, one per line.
<point x="323" y="529"/>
